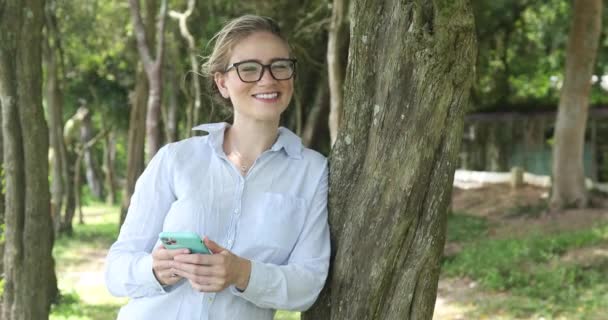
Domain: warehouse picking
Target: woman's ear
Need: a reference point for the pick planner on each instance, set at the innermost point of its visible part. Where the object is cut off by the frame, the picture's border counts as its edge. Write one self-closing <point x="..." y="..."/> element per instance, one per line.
<point x="220" y="82"/>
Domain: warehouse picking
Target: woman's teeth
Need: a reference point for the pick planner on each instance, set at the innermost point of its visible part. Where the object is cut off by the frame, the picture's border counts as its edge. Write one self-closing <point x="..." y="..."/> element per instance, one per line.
<point x="267" y="95"/>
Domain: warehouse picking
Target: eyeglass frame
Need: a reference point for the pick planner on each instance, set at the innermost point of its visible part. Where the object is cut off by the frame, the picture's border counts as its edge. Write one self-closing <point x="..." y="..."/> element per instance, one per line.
<point x="264" y="66"/>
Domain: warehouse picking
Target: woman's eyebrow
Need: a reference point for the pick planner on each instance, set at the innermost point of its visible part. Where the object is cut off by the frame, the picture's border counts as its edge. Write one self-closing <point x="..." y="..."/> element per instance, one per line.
<point x="260" y="61"/>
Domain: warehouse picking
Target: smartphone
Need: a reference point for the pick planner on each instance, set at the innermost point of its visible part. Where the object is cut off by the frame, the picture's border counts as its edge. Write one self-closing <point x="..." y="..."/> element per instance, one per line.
<point x="184" y="240"/>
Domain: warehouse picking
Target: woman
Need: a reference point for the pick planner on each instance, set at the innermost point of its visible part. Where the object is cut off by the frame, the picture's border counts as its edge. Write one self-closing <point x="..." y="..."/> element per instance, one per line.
<point x="255" y="195"/>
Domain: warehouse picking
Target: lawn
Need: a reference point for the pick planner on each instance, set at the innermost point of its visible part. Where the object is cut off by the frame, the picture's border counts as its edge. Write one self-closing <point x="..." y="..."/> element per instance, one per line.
<point x="528" y="275"/>
<point x="79" y="264"/>
<point x="554" y="275"/>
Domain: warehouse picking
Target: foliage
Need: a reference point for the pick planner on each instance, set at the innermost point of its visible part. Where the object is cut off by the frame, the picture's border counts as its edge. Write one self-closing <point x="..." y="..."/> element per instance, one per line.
<point x="522" y="46"/>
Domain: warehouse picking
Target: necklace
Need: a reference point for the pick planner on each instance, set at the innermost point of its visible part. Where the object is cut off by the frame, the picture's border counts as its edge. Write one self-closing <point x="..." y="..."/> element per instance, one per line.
<point x="239" y="161"/>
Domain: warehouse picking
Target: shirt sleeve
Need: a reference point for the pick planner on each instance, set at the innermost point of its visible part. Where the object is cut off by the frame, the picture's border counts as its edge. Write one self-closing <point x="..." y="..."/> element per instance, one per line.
<point x="129" y="261"/>
<point x="296" y="285"/>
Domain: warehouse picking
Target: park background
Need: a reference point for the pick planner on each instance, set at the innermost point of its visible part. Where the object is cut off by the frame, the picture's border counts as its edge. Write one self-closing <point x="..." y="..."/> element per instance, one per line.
<point x="511" y="250"/>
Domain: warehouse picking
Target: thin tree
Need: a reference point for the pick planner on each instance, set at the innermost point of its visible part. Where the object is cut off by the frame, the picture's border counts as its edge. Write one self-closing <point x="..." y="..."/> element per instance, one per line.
<point x="569" y="137"/>
<point x="28" y="264"/>
<point x="153" y="69"/>
<point x="408" y="80"/>
<point x="53" y="59"/>
<point x="337" y="43"/>
<point x="194" y="111"/>
<point x="137" y="118"/>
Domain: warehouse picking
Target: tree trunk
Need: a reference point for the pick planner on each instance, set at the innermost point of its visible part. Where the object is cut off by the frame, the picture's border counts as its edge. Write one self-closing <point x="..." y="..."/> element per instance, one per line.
<point x="170" y="115"/>
<point x="337" y="43"/>
<point x="90" y="163"/>
<point x="153" y="68"/>
<point x="135" y="143"/>
<point x="568" y="172"/>
<point x="29" y="268"/>
<point x="407" y="87"/>
<point x="70" y="132"/>
<point x="193" y="111"/>
<point x="54" y="100"/>
<point x="316" y="125"/>
<point x="109" y="157"/>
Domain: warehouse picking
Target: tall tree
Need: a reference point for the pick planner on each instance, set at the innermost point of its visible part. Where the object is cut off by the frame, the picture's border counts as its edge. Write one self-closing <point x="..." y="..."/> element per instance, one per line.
<point x="135" y="140"/>
<point x="53" y="59"/>
<point x="28" y="263"/>
<point x="194" y="110"/>
<point x="137" y="118"/>
<point x="153" y="69"/>
<point x="337" y="43"/>
<point x="90" y="163"/>
<point x="569" y="137"/>
<point x="408" y="79"/>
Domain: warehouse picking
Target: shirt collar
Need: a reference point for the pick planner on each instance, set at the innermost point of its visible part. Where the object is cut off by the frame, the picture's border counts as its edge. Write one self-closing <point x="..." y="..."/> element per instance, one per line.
<point x="287" y="140"/>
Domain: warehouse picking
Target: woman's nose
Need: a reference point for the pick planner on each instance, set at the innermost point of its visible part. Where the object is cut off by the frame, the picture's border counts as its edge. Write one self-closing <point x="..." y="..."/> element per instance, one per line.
<point x="267" y="77"/>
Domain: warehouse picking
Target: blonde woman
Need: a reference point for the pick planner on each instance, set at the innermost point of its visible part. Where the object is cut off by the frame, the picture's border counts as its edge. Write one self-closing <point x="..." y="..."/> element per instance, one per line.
<point x="250" y="189"/>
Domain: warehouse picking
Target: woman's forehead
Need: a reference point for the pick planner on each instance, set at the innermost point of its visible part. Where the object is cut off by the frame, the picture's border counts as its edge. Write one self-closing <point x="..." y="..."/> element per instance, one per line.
<point x="261" y="46"/>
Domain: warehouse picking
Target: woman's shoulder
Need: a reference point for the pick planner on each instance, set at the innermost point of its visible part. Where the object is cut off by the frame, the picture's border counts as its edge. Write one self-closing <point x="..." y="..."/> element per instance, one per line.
<point x="187" y="148"/>
<point x="314" y="157"/>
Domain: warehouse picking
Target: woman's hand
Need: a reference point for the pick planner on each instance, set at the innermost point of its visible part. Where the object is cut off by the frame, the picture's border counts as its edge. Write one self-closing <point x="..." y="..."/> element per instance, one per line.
<point x="162" y="265"/>
<point x="213" y="272"/>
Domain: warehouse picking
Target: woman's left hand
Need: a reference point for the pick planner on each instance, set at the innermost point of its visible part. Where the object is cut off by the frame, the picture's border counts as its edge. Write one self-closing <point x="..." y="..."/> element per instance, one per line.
<point x="213" y="272"/>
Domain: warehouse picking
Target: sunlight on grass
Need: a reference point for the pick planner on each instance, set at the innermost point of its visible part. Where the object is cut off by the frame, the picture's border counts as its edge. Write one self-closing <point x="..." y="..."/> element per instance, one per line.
<point x="79" y="264"/>
<point x="287" y="315"/>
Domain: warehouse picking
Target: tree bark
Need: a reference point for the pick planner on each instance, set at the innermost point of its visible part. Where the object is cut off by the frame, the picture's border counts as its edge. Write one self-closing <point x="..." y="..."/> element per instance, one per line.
<point x="568" y="173"/>
<point x="153" y="68"/>
<point x="315" y="124"/>
<point x="54" y="67"/>
<point x="109" y="157"/>
<point x="29" y="267"/>
<point x="170" y="114"/>
<point x="90" y="163"/>
<point x="337" y="43"/>
<point x="135" y="143"/>
<point x="193" y="111"/>
<point x="407" y="87"/>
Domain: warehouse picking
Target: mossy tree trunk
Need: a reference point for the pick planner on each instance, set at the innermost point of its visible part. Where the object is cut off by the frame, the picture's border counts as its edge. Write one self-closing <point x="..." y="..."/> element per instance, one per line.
<point x="28" y="263"/>
<point x="408" y="81"/>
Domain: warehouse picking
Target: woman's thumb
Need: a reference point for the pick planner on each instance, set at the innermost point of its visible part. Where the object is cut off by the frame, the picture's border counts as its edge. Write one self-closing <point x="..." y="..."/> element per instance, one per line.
<point x="214" y="247"/>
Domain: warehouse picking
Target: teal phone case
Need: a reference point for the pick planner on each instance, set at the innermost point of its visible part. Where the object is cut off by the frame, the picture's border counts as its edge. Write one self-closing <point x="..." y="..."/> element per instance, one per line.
<point x="181" y="240"/>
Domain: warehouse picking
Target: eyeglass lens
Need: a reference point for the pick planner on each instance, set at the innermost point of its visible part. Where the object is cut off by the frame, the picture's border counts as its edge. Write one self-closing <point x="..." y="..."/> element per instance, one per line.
<point x="251" y="71"/>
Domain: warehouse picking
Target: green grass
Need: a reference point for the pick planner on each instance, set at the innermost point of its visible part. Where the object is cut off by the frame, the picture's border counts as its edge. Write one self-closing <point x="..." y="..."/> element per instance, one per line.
<point x="82" y="253"/>
<point x="529" y="269"/>
<point x="465" y="228"/>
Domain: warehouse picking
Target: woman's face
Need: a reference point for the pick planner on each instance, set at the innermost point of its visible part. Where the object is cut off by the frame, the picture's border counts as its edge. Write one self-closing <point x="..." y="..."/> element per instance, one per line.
<point x="267" y="98"/>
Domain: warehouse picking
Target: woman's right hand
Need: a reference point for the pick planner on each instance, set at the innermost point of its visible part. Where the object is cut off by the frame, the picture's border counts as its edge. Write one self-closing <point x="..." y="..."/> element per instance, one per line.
<point x="162" y="265"/>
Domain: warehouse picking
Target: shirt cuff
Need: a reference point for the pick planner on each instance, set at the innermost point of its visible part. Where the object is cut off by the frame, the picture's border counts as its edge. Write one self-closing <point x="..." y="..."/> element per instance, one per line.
<point x="145" y="275"/>
<point x="257" y="285"/>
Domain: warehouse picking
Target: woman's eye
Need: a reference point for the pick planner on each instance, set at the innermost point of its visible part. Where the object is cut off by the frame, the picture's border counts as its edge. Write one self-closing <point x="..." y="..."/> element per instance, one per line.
<point x="249" y="68"/>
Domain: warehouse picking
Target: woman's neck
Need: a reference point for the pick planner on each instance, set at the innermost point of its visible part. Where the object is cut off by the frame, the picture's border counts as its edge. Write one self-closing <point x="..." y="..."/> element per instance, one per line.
<point x="249" y="138"/>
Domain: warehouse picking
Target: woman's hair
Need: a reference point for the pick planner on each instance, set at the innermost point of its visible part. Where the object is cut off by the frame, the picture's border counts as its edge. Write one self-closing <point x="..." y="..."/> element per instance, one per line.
<point x="234" y="31"/>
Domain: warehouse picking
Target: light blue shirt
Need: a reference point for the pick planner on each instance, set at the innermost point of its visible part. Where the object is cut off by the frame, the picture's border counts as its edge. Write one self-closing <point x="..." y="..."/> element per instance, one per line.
<point x="275" y="216"/>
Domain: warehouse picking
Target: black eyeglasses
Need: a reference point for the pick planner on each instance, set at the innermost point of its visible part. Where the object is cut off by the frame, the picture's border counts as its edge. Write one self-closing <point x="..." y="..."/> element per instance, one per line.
<point x="253" y="71"/>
